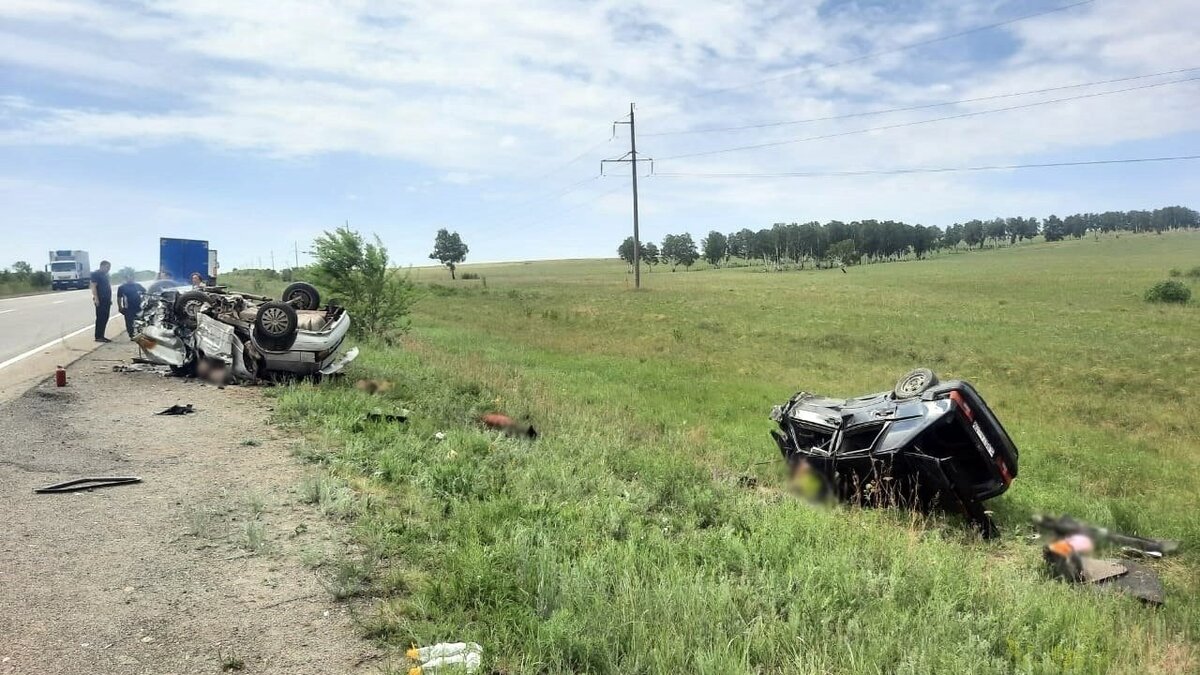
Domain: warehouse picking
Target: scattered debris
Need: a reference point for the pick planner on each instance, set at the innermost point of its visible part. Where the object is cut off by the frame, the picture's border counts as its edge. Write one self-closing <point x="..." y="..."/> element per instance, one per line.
<point x="466" y="655"/>
<point x="140" y="366"/>
<point x="178" y="410"/>
<point x="1069" y="557"/>
<point x="509" y="426"/>
<point x="373" y="386"/>
<point x="921" y="443"/>
<point x="439" y="436"/>
<point x="87" y="484"/>
<point x="380" y="416"/>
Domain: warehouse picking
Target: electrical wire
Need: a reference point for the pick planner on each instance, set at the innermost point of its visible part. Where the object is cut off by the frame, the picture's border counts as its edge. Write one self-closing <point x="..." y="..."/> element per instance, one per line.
<point x="976" y="113"/>
<point x="954" y="169"/>
<point x="894" y="50"/>
<point x="523" y="227"/>
<point x="559" y="167"/>
<point x="884" y="111"/>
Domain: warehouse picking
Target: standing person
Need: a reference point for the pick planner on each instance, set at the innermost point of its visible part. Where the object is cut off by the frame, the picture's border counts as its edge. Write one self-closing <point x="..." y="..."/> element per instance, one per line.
<point x="102" y="298"/>
<point x="129" y="301"/>
<point x="197" y="280"/>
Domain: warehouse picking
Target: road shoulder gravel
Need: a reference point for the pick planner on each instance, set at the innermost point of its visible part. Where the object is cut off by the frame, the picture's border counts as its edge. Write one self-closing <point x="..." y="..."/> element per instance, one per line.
<point x="211" y="564"/>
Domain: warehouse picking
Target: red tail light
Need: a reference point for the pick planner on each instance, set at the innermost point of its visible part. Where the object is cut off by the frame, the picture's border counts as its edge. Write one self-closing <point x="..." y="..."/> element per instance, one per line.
<point x="966" y="409"/>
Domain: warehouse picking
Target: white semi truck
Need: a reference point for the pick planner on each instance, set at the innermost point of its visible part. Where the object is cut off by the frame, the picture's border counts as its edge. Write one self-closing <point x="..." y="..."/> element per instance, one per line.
<point x="69" y="269"/>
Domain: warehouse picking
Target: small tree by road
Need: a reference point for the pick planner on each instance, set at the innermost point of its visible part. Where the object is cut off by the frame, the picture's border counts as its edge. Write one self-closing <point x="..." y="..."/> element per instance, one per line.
<point x="449" y="250"/>
<point x="356" y="274"/>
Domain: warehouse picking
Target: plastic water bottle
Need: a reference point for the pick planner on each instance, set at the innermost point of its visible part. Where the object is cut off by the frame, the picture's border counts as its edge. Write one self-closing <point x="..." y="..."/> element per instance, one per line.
<point x="468" y="655"/>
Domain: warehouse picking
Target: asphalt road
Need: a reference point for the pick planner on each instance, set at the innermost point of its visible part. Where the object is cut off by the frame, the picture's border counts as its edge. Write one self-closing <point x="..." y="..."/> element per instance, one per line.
<point x="32" y="321"/>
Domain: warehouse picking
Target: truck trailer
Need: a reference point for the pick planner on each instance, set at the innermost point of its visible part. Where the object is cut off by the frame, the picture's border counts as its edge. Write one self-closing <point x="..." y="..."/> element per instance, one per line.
<point x="178" y="259"/>
<point x="69" y="269"/>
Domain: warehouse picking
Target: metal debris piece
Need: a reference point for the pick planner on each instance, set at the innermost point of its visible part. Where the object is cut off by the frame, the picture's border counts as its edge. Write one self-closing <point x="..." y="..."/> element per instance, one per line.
<point x="140" y="366"/>
<point x="178" y="410"/>
<point x="380" y="416"/>
<point x="87" y="484"/>
<point x="1096" y="570"/>
<point x="1141" y="582"/>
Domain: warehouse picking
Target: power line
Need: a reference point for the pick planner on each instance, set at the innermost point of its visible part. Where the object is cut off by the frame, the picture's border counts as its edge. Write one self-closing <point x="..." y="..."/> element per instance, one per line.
<point x="559" y="167"/>
<point x="954" y="169"/>
<point x="632" y="158"/>
<point x="527" y="226"/>
<point x="884" y="111"/>
<point x="894" y="50"/>
<point x="976" y="113"/>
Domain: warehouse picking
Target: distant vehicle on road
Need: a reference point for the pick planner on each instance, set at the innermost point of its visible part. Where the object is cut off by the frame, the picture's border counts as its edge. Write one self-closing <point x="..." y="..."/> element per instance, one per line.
<point x="178" y="259"/>
<point x="69" y="269"/>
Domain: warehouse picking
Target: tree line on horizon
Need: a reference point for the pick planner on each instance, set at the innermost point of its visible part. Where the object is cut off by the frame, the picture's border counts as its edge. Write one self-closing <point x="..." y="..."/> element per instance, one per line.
<point x="837" y="242"/>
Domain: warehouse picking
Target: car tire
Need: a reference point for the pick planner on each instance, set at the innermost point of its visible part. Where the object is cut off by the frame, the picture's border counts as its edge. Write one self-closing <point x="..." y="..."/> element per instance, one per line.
<point x="307" y="294"/>
<point x="275" y="326"/>
<point x="914" y="383"/>
<point x="187" y="305"/>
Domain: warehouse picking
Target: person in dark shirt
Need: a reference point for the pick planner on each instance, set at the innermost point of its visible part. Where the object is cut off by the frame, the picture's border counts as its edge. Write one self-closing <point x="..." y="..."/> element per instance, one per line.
<point x="129" y="302"/>
<point x="102" y="298"/>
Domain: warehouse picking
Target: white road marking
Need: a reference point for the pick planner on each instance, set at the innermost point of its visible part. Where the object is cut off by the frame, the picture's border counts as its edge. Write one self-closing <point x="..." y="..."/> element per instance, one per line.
<point x="6" y="311"/>
<point x="58" y="302"/>
<point x="36" y="350"/>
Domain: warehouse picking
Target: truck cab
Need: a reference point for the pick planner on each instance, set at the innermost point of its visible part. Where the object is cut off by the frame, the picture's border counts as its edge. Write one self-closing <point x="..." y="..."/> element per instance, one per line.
<point x="69" y="269"/>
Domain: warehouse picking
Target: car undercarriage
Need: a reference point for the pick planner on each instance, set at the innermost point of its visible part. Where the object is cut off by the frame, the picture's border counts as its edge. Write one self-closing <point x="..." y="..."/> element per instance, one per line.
<point x="231" y="337"/>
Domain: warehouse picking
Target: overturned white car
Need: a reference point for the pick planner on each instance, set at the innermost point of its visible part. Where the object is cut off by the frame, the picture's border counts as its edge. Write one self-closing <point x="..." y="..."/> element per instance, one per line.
<point x="227" y="336"/>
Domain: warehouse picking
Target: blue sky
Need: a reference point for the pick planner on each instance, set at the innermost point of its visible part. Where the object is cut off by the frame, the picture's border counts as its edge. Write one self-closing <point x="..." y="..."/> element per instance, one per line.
<point x="258" y="125"/>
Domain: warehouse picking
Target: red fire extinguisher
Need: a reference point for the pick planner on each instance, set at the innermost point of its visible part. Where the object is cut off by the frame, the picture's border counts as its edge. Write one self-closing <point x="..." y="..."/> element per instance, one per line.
<point x="60" y="376"/>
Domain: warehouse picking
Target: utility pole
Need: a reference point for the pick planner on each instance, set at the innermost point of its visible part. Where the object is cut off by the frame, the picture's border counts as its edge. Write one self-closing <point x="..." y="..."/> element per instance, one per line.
<point x="297" y="245"/>
<point x="632" y="158"/>
<point x="272" y="259"/>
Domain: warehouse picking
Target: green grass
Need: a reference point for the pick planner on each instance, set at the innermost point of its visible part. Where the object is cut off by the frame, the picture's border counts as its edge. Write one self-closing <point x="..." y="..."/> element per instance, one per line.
<point x="626" y="539"/>
<point x="17" y="288"/>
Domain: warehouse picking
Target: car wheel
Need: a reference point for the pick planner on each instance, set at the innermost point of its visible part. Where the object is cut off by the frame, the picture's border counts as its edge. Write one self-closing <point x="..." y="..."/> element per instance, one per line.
<point x="275" y="325"/>
<point x="915" y="383"/>
<point x="305" y="295"/>
<point x="187" y="306"/>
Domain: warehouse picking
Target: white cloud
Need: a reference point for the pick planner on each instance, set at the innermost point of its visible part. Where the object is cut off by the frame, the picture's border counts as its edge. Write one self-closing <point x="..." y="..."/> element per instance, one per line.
<point x="472" y="89"/>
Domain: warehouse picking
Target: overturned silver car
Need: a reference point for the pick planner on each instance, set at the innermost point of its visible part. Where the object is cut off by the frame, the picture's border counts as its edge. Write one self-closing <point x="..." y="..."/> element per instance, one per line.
<point x="227" y="336"/>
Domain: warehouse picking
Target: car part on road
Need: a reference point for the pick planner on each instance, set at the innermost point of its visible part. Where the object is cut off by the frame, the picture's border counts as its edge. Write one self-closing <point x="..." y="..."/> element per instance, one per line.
<point x="302" y="296"/>
<point x="87" y="484"/>
<point x="140" y="367"/>
<point x="921" y="444"/>
<point x="380" y="416"/>
<point x="178" y="410"/>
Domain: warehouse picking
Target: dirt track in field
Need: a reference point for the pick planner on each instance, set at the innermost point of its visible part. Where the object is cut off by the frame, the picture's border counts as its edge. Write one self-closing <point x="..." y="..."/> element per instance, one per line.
<point x="166" y="576"/>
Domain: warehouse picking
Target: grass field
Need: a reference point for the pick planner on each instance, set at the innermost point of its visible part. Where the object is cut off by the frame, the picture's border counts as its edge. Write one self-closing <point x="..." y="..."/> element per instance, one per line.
<point x="650" y="530"/>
